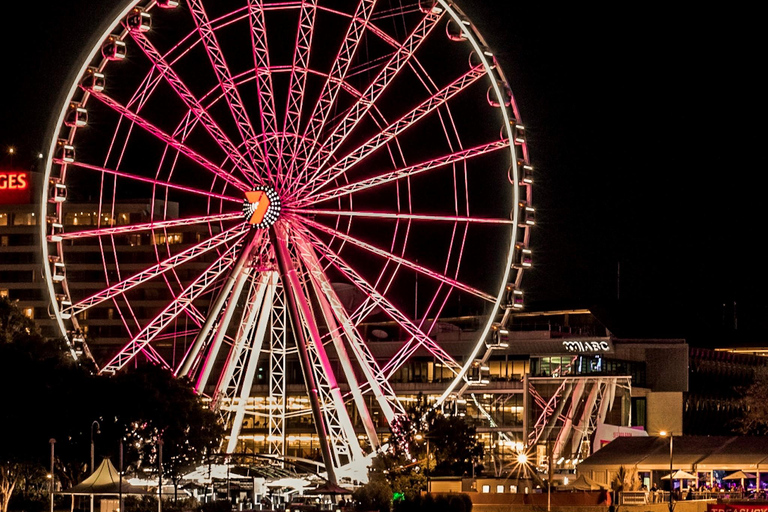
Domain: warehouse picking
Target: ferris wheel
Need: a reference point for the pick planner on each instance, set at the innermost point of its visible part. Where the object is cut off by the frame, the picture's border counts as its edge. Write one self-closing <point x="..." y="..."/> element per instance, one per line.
<point x="284" y="153"/>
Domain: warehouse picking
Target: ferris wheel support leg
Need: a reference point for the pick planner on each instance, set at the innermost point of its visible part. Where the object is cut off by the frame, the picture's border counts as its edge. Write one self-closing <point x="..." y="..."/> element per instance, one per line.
<point x="296" y="299"/>
<point x="346" y="364"/>
<point x="233" y="367"/>
<point x="333" y="311"/>
<point x="213" y="313"/>
<point x="250" y="372"/>
<point x="221" y="330"/>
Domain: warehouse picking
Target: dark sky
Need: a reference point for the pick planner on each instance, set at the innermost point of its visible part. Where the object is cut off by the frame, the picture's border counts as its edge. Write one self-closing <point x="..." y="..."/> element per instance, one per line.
<point x="643" y="124"/>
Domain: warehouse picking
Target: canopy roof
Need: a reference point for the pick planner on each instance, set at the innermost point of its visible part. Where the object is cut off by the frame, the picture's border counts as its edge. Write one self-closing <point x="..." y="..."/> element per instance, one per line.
<point x="105" y="481"/>
<point x="582" y="483"/>
<point x="690" y="453"/>
<point x="739" y="475"/>
<point x="680" y="475"/>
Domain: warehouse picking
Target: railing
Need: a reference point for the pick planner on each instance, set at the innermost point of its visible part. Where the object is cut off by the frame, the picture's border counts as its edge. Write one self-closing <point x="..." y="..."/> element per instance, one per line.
<point x="643" y="497"/>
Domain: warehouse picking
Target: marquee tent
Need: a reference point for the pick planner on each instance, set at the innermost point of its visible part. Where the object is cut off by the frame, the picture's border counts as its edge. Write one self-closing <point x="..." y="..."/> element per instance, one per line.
<point x="104" y="481"/>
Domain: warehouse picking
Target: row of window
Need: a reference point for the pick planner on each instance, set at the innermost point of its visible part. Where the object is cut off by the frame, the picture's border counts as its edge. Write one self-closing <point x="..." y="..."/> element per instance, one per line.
<point x="18" y="219"/>
<point x="560" y="366"/>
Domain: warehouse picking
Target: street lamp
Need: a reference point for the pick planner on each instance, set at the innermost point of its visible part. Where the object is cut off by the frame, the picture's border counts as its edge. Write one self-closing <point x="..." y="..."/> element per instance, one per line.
<point x="93" y="468"/>
<point x="420" y="437"/>
<point x="52" y="441"/>
<point x="664" y="433"/>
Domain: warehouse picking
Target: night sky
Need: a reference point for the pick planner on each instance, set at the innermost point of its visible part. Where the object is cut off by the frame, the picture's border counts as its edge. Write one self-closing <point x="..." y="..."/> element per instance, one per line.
<point x="643" y="125"/>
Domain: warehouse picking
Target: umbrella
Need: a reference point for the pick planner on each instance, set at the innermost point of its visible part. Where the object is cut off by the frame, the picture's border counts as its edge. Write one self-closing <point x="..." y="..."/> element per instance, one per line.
<point x="680" y="475"/>
<point x="329" y="489"/>
<point x="739" y="475"/>
<point x="582" y="483"/>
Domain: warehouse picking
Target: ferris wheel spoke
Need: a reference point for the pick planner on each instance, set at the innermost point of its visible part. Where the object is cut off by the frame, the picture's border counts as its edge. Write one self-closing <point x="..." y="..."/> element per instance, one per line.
<point x="156" y="270"/>
<point x="363" y="105"/>
<point x="399" y="216"/>
<point x="159" y="183"/>
<point x="340" y="68"/>
<point x="147" y="226"/>
<point x="179" y="305"/>
<point x="418" y="337"/>
<point x="192" y="360"/>
<point x="266" y="95"/>
<point x="401" y="261"/>
<point x="164" y="137"/>
<point x="193" y="104"/>
<point x="393" y="130"/>
<point x="297" y="84"/>
<point x="237" y="280"/>
<point x="226" y="82"/>
<point x="405" y="172"/>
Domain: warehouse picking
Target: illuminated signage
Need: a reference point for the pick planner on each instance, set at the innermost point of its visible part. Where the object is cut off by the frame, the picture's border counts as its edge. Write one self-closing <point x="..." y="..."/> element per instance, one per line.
<point x="586" y="346"/>
<point x="261" y="207"/>
<point x="15" y="187"/>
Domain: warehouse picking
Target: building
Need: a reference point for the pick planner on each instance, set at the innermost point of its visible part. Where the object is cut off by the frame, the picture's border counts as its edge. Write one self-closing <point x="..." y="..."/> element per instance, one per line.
<point x="709" y="459"/>
<point x="558" y="378"/>
<point x="88" y="263"/>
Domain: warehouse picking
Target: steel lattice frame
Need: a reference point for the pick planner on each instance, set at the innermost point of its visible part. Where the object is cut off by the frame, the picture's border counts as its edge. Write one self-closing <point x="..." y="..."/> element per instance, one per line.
<point x="383" y="139"/>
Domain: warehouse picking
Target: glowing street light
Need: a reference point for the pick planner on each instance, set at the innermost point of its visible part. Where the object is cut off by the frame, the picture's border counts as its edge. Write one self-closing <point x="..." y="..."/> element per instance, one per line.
<point x="421" y="437"/>
<point x="664" y="433"/>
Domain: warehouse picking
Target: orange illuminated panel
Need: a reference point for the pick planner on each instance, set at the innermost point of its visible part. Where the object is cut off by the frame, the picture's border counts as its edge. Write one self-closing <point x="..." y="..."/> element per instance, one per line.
<point x="15" y="187"/>
<point x="261" y="207"/>
<point x="260" y="203"/>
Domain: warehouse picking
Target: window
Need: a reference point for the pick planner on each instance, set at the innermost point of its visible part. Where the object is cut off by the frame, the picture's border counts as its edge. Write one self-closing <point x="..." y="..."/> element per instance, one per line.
<point x="487" y="488"/>
<point x="24" y="219"/>
<point x="169" y="238"/>
<point x="3" y="219"/>
<point x="29" y="313"/>
<point x="4" y="241"/>
<point x="639" y="411"/>
<point x="3" y="292"/>
<point x="500" y="488"/>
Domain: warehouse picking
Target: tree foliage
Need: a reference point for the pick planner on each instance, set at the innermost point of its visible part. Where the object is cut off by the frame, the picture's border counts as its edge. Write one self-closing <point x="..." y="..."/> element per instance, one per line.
<point x="49" y="396"/>
<point x="754" y="405"/>
<point x="445" y="444"/>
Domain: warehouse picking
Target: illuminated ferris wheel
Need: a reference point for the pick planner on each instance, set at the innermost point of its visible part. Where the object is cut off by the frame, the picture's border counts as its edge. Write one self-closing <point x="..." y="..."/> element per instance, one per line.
<point x="286" y="152"/>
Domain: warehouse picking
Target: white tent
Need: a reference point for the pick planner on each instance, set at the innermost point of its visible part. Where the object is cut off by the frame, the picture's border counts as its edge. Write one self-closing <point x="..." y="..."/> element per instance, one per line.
<point x="105" y="480"/>
<point x="582" y="483"/>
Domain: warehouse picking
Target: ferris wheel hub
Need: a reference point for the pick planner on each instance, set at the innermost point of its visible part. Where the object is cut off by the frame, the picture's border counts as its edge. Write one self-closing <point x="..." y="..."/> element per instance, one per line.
<point x="261" y="207"/>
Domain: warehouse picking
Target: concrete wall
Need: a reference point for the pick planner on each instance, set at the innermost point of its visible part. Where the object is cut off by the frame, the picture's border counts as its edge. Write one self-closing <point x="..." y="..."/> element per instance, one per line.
<point x="665" y="412"/>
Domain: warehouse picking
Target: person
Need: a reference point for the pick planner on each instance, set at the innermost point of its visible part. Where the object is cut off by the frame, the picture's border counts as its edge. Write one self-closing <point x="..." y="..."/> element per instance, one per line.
<point x="605" y="498"/>
<point x="644" y="488"/>
<point x="654" y="493"/>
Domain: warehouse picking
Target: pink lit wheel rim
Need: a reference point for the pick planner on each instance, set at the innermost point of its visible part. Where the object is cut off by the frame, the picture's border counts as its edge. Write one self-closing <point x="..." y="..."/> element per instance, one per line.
<point x="257" y="194"/>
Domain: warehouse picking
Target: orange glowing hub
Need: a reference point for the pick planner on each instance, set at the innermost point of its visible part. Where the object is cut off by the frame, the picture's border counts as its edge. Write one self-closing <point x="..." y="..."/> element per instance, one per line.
<point x="261" y="207"/>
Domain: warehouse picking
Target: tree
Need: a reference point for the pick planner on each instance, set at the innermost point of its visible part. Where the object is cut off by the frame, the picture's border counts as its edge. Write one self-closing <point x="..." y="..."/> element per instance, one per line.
<point x="452" y="443"/>
<point x="39" y="381"/>
<point x="170" y="411"/>
<point x="754" y="405"/>
<point x="49" y="396"/>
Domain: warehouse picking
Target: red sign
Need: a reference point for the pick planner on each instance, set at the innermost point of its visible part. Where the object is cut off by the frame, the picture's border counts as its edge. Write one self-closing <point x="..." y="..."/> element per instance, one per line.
<point x="15" y="187"/>
<point x="736" y="507"/>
